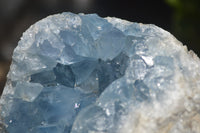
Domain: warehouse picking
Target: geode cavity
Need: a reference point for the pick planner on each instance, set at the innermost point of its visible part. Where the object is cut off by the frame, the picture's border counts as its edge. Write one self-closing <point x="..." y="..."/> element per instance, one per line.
<point x="86" y="74"/>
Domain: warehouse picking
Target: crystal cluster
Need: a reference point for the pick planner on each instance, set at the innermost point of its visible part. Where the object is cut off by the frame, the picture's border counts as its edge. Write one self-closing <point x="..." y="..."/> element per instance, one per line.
<point x="86" y="74"/>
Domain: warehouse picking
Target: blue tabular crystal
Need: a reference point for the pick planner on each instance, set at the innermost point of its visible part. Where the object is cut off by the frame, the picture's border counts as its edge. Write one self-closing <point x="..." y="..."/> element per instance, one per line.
<point x="86" y="74"/>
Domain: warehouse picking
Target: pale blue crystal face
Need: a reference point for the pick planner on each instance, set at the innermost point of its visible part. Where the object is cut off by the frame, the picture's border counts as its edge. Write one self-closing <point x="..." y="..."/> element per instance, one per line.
<point x="82" y="73"/>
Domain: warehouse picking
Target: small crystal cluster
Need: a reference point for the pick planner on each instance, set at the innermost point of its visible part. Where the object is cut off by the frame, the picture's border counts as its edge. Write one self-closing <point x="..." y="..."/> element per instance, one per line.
<point x="86" y="74"/>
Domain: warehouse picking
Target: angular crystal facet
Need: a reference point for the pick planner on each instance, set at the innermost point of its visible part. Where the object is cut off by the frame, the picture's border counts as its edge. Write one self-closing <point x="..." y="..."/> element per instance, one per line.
<point x="86" y="74"/>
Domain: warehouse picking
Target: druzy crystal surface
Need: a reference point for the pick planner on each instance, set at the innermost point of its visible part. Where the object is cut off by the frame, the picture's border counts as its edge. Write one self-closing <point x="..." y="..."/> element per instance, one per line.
<point x="86" y="74"/>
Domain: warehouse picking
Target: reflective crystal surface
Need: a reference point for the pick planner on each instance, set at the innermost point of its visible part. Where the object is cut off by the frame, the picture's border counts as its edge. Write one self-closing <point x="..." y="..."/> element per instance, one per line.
<point x="86" y="74"/>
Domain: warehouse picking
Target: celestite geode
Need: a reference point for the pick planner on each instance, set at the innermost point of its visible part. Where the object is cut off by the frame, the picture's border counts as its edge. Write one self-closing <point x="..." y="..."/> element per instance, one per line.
<point x="86" y="74"/>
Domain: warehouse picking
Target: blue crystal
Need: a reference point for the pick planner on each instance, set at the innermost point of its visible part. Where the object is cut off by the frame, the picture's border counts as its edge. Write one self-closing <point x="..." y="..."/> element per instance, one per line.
<point x="83" y="74"/>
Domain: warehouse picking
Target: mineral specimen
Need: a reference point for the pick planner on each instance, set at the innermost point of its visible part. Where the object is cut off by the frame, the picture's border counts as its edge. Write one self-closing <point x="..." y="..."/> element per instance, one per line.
<point x="86" y="74"/>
